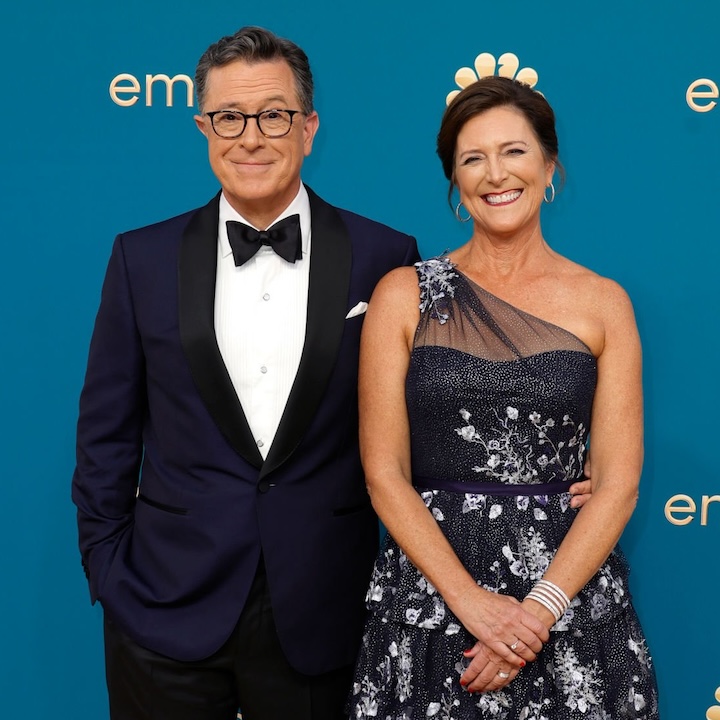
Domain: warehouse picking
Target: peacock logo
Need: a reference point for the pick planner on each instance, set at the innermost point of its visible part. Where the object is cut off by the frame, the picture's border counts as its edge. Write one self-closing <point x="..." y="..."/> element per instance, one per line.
<point x="713" y="712"/>
<point x="507" y="65"/>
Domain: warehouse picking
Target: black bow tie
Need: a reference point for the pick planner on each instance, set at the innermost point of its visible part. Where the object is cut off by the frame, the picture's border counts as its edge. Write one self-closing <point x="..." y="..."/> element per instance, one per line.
<point x="283" y="237"/>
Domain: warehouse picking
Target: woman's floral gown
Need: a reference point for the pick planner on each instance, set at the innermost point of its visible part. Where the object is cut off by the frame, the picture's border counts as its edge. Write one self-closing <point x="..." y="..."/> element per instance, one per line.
<point x="499" y="404"/>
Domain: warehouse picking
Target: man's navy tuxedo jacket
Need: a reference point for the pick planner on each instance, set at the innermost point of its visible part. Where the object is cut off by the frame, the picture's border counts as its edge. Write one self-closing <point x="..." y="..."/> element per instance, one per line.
<point x="175" y="502"/>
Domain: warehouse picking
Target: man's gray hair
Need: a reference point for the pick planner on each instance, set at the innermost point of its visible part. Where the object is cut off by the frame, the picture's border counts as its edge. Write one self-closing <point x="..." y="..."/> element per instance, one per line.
<point x="253" y="45"/>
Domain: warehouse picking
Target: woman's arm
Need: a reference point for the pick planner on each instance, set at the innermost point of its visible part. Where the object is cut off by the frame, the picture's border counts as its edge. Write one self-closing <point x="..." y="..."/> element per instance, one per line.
<point x="617" y="452"/>
<point x="387" y="339"/>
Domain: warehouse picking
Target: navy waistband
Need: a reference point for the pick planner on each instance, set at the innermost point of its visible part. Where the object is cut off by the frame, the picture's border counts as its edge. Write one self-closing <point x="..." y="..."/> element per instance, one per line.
<point x="490" y="488"/>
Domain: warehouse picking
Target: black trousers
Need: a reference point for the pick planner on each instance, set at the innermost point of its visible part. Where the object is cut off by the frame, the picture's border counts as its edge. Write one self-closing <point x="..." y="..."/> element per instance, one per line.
<point x="249" y="672"/>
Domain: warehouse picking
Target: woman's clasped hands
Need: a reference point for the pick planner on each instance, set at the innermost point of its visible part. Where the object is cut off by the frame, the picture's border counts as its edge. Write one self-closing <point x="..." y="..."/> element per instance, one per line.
<point x="508" y="637"/>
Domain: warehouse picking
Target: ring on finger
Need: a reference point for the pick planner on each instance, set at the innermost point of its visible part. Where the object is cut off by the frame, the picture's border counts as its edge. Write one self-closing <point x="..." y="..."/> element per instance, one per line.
<point x="514" y="645"/>
<point x="503" y="675"/>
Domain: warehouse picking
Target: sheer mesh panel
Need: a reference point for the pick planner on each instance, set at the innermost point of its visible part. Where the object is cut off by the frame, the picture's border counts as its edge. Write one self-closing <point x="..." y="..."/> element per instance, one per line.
<point x="479" y="323"/>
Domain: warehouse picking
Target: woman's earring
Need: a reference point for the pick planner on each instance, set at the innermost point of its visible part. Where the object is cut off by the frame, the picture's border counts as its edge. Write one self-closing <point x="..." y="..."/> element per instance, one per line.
<point x="547" y="199"/>
<point x="457" y="213"/>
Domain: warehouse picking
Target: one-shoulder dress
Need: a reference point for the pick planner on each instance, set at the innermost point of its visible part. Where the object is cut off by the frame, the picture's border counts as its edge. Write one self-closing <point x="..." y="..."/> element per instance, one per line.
<point x="499" y="403"/>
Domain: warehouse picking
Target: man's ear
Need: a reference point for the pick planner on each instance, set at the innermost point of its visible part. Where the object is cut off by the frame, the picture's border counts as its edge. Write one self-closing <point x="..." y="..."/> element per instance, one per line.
<point x="201" y="125"/>
<point x="312" y="123"/>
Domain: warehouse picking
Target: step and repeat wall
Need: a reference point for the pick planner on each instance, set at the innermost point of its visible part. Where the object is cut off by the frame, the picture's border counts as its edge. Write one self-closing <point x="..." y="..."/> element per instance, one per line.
<point x="99" y="138"/>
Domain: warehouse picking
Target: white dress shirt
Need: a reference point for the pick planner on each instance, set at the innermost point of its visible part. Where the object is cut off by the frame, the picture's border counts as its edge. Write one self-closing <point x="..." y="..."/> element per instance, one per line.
<point x="260" y="318"/>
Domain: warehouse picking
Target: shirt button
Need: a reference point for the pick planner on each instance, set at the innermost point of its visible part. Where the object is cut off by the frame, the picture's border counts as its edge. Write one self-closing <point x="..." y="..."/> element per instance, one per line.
<point x="266" y="296"/>
<point x="263" y="369"/>
<point x="260" y="443"/>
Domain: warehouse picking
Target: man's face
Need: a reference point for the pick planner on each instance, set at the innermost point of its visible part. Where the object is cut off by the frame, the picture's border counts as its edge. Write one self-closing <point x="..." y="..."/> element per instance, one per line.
<point x="259" y="176"/>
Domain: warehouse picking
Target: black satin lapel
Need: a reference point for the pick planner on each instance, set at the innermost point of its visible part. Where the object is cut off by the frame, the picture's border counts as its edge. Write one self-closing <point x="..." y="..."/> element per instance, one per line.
<point x="330" y="265"/>
<point x="196" y="299"/>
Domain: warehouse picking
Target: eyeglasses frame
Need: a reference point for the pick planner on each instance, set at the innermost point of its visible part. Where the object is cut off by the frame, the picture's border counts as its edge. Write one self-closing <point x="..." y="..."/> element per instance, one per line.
<point x="248" y="116"/>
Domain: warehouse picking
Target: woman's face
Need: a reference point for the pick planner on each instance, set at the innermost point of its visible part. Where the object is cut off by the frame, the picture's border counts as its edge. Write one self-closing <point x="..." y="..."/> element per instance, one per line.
<point x="501" y="172"/>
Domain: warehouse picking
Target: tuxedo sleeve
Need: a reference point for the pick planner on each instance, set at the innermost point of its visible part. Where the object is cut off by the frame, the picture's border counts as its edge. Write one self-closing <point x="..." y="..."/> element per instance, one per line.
<point x="411" y="255"/>
<point x="109" y="434"/>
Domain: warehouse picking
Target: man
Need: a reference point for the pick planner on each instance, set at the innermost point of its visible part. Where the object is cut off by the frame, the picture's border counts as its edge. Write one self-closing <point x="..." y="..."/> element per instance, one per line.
<point x="223" y="518"/>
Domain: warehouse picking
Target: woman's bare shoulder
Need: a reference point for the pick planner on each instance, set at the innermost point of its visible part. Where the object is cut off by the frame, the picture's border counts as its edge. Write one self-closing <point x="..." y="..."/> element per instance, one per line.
<point x="400" y="283"/>
<point x="598" y="291"/>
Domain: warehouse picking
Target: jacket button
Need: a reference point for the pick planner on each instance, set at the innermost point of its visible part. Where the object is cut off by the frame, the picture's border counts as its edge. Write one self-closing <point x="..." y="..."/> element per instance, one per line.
<point x="263" y="486"/>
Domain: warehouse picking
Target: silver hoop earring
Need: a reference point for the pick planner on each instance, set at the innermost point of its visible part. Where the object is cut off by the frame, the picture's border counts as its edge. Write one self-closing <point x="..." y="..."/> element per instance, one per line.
<point x="552" y="194"/>
<point x="457" y="213"/>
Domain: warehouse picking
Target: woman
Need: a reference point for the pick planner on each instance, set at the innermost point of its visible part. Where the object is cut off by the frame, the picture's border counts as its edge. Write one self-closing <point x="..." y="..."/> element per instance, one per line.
<point x="493" y="597"/>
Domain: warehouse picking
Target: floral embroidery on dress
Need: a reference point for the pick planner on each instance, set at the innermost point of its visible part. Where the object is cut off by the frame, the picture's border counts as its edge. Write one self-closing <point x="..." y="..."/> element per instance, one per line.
<point x="437" y="607"/>
<point x="608" y="591"/>
<point x="635" y="701"/>
<point x="532" y="558"/>
<point x="577" y="440"/>
<point x="442" y="709"/>
<point x="428" y="496"/>
<point x="639" y="647"/>
<point x="581" y="684"/>
<point x="536" y="709"/>
<point x="499" y="585"/>
<point x="435" y="286"/>
<point x="495" y="704"/>
<point x="402" y="654"/>
<point x="511" y="455"/>
<point x="367" y="705"/>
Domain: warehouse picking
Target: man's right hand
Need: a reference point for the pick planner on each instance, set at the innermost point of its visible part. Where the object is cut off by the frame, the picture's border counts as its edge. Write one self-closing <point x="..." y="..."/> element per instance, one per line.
<point x="582" y="489"/>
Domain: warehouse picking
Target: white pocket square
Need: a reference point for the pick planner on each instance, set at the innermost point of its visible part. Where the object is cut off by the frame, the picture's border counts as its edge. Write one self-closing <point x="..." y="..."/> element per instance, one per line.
<point x="359" y="309"/>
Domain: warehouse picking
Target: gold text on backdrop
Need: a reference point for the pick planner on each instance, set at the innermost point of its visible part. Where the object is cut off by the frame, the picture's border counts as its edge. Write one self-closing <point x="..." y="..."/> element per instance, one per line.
<point x="685" y="506"/>
<point x="125" y="89"/>
<point x="702" y="90"/>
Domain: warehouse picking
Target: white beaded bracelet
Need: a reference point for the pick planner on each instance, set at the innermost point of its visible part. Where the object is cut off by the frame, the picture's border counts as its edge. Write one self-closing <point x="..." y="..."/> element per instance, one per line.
<point x="550" y="596"/>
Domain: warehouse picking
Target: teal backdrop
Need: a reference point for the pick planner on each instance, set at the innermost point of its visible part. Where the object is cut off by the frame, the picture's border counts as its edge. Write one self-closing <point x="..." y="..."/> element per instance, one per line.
<point x="634" y="86"/>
